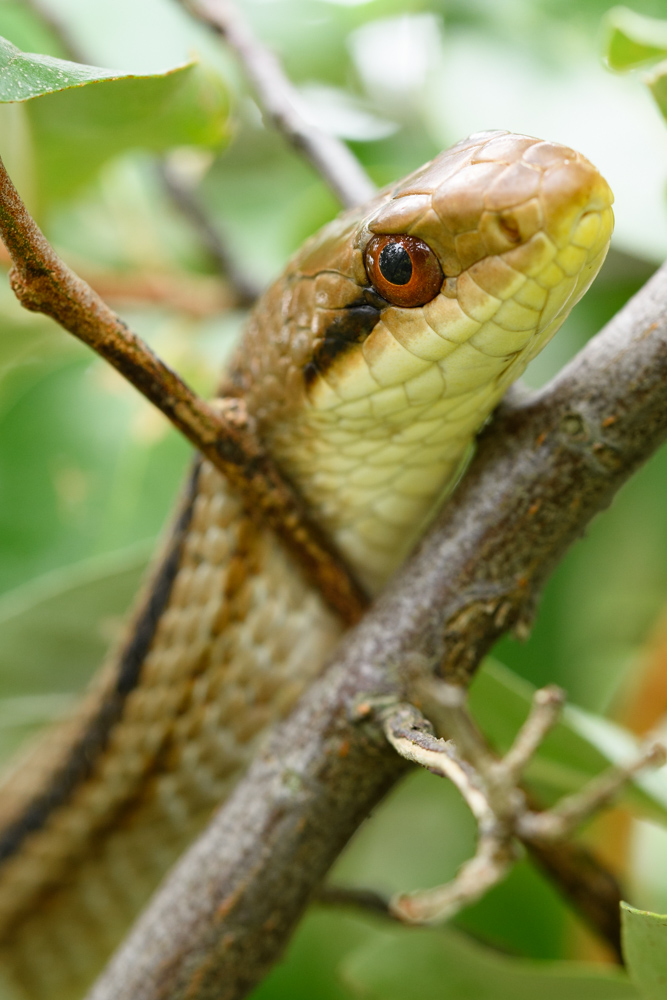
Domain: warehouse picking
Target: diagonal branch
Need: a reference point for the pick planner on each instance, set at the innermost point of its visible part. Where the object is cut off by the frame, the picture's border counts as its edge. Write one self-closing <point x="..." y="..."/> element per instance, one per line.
<point x="223" y="433"/>
<point x="545" y="467"/>
<point x="279" y="101"/>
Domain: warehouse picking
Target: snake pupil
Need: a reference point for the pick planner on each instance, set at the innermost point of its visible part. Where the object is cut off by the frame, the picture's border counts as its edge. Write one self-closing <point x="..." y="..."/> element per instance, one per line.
<point x="395" y="264"/>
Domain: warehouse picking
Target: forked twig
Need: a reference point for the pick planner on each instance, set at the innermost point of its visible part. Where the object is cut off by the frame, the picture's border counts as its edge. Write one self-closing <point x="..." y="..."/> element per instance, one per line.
<point x="491" y="790"/>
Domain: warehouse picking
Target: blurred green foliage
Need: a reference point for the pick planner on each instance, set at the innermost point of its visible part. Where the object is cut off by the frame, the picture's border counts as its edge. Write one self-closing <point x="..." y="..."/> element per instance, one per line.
<point x="86" y="115"/>
<point x="400" y="965"/>
<point x="633" y="40"/>
<point x="88" y="471"/>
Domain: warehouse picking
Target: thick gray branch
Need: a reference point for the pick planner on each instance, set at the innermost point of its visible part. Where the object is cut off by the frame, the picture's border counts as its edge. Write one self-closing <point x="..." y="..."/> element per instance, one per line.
<point x="543" y="469"/>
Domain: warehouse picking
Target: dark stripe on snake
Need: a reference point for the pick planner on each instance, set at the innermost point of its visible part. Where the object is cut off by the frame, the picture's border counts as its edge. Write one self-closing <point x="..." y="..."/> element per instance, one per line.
<point x="350" y="325"/>
<point x="83" y="756"/>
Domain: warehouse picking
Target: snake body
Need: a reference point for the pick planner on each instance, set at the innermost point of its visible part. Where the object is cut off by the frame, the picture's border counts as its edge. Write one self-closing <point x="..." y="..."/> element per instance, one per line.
<point x="369" y="408"/>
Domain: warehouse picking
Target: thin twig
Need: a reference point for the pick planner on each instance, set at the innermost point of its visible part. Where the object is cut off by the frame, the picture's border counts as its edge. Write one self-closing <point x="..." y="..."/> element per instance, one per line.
<point x="491" y="863"/>
<point x="278" y="101"/>
<point x="545" y="467"/>
<point x="562" y="821"/>
<point x="197" y="295"/>
<point x="223" y="433"/>
<point x="544" y="713"/>
<point x="244" y="290"/>
<point x="349" y="897"/>
<point x="247" y="291"/>
<point x="411" y="736"/>
<point x="445" y="705"/>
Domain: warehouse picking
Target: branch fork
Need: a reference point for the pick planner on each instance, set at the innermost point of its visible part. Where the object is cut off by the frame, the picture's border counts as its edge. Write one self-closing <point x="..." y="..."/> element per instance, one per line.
<point x="490" y="787"/>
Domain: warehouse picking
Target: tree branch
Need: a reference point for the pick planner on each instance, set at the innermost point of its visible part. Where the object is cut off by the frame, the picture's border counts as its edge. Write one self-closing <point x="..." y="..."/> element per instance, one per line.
<point x="279" y="100"/>
<point x="544" y="468"/>
<point x="223" y="432"/>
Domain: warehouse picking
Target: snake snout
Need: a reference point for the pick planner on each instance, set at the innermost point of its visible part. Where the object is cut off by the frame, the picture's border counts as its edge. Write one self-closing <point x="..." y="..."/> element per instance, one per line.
<point x="568" y="192"/>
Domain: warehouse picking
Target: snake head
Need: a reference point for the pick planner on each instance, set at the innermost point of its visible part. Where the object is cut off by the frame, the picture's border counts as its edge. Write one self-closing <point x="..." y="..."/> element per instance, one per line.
<point x="375" y="359"/>
<point x="520" y="228"/>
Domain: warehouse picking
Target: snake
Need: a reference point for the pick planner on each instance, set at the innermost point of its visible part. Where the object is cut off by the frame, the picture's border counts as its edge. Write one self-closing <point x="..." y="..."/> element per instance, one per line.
<point x="369" y="366"/>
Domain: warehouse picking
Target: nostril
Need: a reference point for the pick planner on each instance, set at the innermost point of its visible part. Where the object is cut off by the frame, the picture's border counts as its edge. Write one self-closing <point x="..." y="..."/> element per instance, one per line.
<point x="509" y="227"/>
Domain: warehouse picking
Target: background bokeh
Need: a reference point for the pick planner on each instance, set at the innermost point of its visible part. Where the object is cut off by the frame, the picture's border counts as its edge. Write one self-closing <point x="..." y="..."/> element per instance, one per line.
<point x="89" y="472"/>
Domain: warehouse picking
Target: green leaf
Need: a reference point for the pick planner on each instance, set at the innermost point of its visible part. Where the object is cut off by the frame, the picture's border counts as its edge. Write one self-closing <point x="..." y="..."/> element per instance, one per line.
<point x="577" y="749"/>
<point x="633" y="40"/>
<point x="25" y="74"/>
<point x="65" y="119"/>
<point x="645" y="950"/>
<point x="418" y="964"/>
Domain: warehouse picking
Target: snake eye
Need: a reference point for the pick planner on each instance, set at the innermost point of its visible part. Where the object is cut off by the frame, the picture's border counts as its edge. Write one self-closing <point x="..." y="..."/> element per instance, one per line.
<point x="403" y="269"/>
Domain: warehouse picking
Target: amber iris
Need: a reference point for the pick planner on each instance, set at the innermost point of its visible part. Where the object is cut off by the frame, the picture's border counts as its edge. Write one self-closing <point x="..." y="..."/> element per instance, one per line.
<point x="403" y="269"/>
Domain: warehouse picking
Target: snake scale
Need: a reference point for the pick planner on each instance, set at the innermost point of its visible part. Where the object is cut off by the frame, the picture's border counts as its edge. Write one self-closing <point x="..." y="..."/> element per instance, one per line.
<point x="369" y="366"/>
